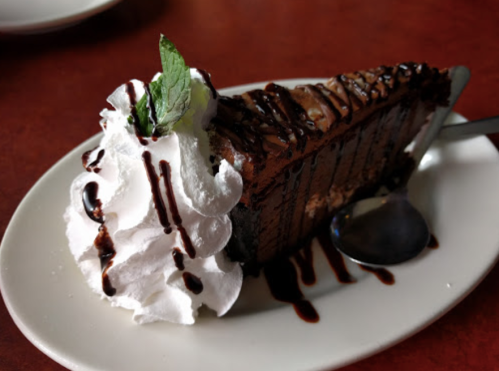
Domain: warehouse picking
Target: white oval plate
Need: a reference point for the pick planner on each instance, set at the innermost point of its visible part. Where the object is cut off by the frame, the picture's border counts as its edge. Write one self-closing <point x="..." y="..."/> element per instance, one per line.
<point x="34" y="16"/>
<point x="456" y="188"/>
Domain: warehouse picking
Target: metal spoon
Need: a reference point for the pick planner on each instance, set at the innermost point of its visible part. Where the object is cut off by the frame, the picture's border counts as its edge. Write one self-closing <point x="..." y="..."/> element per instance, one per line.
<point x="388" y="230"/>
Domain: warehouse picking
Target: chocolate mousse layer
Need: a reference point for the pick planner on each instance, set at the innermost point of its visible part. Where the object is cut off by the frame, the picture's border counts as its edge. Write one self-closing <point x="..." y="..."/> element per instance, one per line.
<point x="306" y="152"/>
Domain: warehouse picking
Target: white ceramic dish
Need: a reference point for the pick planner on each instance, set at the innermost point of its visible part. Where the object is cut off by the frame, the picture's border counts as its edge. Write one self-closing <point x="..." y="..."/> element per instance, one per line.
<point x="456" y="189"/>
<point x="37" y="16"/>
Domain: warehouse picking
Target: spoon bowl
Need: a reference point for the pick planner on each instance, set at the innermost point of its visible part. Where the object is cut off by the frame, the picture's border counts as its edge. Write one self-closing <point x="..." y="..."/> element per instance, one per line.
<point x="380" y="231"/>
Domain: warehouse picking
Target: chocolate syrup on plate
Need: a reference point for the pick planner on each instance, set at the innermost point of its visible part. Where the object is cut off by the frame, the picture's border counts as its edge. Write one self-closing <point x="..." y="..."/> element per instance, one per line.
<point x="283" y="281"/>
<point x="433" y="243"/>
<point x="382" y="274"/>
<point x="304" y="258"/>
<point x="334" y="258"/>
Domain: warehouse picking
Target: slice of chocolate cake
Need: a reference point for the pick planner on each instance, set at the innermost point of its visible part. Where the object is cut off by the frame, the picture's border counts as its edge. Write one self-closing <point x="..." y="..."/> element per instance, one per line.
<point x="306" y="152"/>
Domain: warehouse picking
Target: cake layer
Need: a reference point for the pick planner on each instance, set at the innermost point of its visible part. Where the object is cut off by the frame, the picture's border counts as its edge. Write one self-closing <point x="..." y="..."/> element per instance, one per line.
<point x="306" y="152"/>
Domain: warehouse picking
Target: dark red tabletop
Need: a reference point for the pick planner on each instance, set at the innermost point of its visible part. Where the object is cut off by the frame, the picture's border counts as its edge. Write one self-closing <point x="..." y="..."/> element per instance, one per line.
<point x="53" y="86"/>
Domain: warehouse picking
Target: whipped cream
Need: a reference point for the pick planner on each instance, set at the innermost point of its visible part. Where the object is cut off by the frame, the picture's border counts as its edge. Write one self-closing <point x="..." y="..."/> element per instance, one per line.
<point x="151" y="272"/>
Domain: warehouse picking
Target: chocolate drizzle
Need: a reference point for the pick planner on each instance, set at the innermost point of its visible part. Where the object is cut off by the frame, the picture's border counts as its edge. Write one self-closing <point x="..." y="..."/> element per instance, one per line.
<point x="93" y="165"/>
<point x="159" y="205"/>
<point x="130" y="90"/>
<point x="207" y="80"/>
<point x="103" y="242"/>
<point x="178" y="258"/>
<point x="92" y="205"/>
<point x="342" y="109"/>
<point x="273" y="118"/>
<point x="193" y="283"/>
<point x="85" y="156"/>
<point x="166" y="173"/>
<point x="296" y="117"/>
<point x="317" y="92"/>
<point x="105" y="246"/>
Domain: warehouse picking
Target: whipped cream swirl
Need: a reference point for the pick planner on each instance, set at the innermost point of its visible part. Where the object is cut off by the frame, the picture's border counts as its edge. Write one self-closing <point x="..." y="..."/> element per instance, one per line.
<point x="151" y="270"/>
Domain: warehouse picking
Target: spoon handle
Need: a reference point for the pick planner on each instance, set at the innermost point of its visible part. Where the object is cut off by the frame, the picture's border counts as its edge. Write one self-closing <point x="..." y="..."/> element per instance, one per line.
<point x="488" y="125"/>
<point x="459" y="76"/>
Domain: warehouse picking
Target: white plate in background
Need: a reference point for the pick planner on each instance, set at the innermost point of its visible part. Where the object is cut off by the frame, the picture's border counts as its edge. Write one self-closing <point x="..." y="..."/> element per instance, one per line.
<point x="38" y="16"/>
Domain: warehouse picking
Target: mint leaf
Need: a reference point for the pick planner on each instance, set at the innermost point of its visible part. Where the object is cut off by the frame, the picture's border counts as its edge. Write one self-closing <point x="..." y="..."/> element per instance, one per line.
<point x="171" y="93"/>
<point x="175" y="89"/>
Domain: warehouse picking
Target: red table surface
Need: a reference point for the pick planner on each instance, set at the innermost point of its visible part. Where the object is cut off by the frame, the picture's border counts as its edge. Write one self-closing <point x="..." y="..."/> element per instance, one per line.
<point x="53" y="86"/>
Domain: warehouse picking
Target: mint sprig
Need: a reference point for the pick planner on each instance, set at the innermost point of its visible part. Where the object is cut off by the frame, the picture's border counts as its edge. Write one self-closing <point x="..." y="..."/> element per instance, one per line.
<point x="171" y="93"/>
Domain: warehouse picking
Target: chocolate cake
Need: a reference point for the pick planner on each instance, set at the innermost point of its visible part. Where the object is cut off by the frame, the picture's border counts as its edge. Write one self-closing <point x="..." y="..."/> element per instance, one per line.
<point x="306" y="152"/>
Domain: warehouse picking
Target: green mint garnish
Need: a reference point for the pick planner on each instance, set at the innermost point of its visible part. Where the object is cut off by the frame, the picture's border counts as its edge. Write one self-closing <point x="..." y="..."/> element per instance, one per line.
<point x="171" y="93"/>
